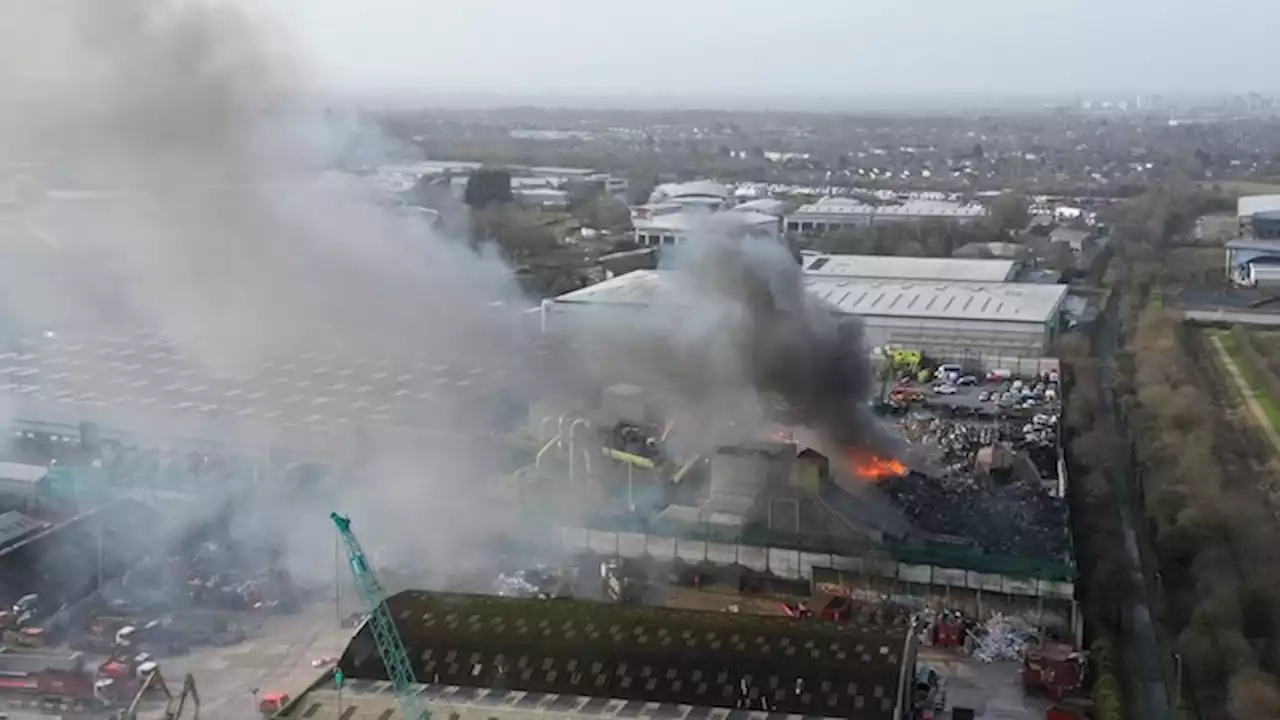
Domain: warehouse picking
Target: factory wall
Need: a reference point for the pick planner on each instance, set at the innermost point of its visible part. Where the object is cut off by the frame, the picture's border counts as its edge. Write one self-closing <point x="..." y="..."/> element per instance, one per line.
<point x="946" y="338"/>
<point x="981" y="344"/>
<point x="923" y="583"/>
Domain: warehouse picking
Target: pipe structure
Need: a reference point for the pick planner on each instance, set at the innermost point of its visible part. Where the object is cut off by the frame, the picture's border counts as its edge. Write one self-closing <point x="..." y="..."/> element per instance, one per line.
<point x="537" y="459"/>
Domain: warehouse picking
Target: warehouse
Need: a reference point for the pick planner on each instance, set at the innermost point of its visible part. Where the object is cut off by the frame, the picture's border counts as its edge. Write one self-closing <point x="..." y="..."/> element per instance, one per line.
<point x="833" y="214"/>
<point x="966" y="322"/>
<point x="909" y="268"/>
<point x="670" y="224"/>
<point x="486" y="657"/>
<point x="1254" y="262"/>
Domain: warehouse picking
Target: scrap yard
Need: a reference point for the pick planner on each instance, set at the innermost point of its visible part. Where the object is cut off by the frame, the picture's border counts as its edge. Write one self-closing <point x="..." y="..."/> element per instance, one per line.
<point x="647" y="571"/>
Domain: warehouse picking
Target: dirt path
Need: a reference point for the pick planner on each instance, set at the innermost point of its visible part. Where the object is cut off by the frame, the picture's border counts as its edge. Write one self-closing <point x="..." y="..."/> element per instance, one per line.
<point x="1255" y="408"/>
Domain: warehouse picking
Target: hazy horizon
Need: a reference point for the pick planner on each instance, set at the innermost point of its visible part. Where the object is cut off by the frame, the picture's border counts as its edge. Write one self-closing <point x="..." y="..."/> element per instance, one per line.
<point x="750" y="52"/>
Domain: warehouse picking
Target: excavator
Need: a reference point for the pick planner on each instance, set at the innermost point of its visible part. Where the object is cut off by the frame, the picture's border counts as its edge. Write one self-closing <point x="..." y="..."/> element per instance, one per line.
<point x="174" y="706"/>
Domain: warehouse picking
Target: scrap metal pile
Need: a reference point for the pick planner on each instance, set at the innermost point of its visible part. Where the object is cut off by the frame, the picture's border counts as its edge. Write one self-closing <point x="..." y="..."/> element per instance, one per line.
<point x="1006" y="507"/>
<point x="219" y="575"/>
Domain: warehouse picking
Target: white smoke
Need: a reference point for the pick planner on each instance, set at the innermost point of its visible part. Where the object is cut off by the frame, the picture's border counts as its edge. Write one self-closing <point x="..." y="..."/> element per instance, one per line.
<point x="211" y="219"/>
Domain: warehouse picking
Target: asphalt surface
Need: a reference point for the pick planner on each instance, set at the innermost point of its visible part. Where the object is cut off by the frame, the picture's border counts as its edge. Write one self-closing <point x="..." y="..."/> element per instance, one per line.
<point x="278" y="658"/>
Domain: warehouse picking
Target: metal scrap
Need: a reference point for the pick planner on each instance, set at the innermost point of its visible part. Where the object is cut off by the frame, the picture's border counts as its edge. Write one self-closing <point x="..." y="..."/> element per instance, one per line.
<point x="1002" y="638"/>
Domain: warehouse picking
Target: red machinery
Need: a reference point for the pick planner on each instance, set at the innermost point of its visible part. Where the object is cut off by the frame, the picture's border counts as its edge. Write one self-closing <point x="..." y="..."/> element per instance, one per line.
<point x="1054" y="669"/>
<point x="61" y="676"/>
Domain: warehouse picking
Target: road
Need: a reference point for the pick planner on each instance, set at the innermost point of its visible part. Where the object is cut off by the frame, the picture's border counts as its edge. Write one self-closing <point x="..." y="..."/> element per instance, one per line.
<point x="1142" y="640"/>
<point x="276" y="659"/>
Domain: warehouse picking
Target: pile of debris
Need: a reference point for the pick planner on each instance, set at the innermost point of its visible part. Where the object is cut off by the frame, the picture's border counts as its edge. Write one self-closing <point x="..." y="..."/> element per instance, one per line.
<point x="989" y="483"/>
<point x="958" y="442"/>
<point x="537" y="582"/>
<point x="1002" y="638"/>
<point x="1019" y="518"/>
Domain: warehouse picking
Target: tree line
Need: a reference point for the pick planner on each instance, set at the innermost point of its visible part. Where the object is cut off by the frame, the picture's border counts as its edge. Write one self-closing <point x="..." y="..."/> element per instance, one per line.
<point x="1200" y="475"/>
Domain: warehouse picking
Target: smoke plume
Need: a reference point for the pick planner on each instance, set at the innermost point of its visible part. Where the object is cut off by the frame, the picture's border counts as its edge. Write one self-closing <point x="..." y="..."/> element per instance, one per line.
<point x="170" y="167"/>
<point x="733" y="342"/>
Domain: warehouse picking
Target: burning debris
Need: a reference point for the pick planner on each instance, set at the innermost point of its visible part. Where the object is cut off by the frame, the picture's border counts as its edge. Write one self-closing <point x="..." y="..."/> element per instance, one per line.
<point x="869" y="466"/>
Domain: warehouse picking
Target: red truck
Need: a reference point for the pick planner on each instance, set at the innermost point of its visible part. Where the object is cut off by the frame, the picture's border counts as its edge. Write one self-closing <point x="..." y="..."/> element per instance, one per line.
<point x="1054" y="669"/>
<point x="61" y="678"/>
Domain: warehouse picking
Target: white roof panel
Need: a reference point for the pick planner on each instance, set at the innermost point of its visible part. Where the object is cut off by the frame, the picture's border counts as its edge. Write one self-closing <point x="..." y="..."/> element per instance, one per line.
<point x="1250" y="204"/>
<point x="909" y="268"/>
<point x="924" y="299"/>
<point x="1009" y="302"/>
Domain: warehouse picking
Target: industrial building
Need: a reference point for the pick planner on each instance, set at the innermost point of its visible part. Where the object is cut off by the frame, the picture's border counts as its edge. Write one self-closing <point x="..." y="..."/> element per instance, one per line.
<point x="668" y="225"/>
<point x="893" y="267"/>
<point x="488" y="658"/>
<point x="677" y="211"/>
<point x="1258" y="216"/>
<point x="142" y="380"/>
<point x="1253" y="258"/>
<point x="832" y="214"/>
<point x="1253" y="262"/>
<point x="965" y="321"/>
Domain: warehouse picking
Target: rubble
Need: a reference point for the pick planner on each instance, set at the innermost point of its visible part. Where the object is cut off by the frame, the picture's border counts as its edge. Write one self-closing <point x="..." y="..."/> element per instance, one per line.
<point x="991" y="483"/>
<point x="1002" y="638"/>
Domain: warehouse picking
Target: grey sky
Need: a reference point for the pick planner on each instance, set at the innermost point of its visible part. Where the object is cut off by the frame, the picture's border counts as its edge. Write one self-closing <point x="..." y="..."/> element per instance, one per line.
<point x="814" y="48"/>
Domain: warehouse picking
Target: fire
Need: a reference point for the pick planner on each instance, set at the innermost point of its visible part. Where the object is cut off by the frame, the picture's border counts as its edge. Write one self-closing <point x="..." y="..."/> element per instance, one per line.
<point x="870" y="466"/>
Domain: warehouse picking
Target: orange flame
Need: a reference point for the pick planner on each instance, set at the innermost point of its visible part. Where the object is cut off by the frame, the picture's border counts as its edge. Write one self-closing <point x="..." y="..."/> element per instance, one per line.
<point x="870" y="466"/>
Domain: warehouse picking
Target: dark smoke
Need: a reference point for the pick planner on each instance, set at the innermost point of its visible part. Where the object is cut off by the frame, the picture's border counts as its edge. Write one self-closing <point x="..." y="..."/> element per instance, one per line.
<point x="733" y="341"/>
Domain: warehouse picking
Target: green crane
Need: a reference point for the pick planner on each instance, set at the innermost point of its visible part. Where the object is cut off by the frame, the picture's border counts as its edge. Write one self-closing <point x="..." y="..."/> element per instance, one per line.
<point x="390" y="646"/>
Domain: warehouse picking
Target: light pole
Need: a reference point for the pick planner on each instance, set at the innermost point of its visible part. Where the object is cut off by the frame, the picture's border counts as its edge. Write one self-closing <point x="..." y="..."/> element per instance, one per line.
<point x="337" y="579"/>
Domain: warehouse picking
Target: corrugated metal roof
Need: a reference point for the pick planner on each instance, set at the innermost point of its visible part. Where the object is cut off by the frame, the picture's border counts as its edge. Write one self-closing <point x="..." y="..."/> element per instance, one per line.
<point x="641" y="654"/>
<point x="1017" y="302"/>
<point x="370" y="700"/>
<point x="837" y="207"/>
<point x="909" y="268"/>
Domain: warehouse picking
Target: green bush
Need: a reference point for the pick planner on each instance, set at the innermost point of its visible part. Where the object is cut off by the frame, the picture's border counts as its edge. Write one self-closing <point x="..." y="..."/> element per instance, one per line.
<point x="1257" y="362"/>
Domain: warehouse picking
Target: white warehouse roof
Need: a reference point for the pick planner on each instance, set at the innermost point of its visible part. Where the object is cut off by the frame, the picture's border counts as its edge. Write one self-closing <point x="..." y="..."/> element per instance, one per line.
<point x="835" y="207"/>
<point x="694" y="189"/>
<point x="1250" y="204"/>
<point x="910" y="268"/>
<point x="939" y="299"/>
<point x="686" y="220"/>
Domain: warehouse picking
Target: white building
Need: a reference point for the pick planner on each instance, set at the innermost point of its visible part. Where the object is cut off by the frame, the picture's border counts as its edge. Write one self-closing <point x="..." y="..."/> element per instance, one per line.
<point x="831" y="214"/>
<point x="698" y="194"/>
<point x="1264" y="206"/>
<point x="893" y="267"/>
<point x="961" y="321"/>
<point x="676" y="211"/>
<point x="666" y="224"/>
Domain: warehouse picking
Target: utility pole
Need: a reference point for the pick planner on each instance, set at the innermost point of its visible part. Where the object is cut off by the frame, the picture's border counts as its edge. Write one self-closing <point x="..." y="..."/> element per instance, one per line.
<point x="337" y="579"/>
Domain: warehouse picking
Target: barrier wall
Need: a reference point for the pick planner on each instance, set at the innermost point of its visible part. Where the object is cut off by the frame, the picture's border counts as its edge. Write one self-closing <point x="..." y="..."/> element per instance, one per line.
<point x="801" y="565"/>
